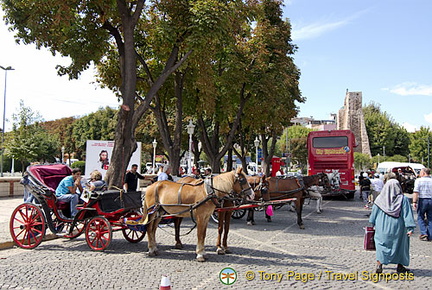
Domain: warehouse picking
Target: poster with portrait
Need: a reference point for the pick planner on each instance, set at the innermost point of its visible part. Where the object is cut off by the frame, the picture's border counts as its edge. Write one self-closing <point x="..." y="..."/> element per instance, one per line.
<point x="99" y="155"/>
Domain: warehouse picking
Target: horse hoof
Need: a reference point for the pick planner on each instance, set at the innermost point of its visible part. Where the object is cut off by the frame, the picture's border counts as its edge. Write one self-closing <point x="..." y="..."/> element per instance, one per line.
<point x="227" y="251"/>
<point x="152" y="254"/>
<point x="179" y="246"/>
<point x="302" y="227"/>
<point x="200" y="258"/>
<point x="319" y="212"/>
<point x="220" y="251"/>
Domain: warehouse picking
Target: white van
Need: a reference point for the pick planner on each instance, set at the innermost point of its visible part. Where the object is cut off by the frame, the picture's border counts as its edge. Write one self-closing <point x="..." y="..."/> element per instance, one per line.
<point x="385" y="167"/>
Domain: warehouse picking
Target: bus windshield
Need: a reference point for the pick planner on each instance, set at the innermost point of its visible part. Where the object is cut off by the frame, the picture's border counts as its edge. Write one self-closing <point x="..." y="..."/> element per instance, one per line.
<point x="330" y="142"/>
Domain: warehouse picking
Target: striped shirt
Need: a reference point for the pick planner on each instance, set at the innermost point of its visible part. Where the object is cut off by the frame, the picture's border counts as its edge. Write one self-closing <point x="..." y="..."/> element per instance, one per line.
<point x="423" y="186"/>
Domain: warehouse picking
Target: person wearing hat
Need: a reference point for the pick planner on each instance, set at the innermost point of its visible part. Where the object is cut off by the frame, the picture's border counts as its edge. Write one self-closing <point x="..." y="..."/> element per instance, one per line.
<point x="365" y="185"/>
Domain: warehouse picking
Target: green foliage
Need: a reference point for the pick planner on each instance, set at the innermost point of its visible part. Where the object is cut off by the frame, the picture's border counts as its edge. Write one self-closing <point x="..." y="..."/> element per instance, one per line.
<point x="29" y="141"/>
<point x="295" y="143"/>
<point x="362" y="162"/>
<point x="99" y="125"/>
<point x="420" y="147"/>
<point x="384" y="132"/>
<point x="397" y="158"/>
<point x="80" y="165"/>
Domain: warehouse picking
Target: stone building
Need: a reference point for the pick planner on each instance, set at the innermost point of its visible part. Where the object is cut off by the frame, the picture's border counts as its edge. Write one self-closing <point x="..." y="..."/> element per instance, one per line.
<point x="350" y="117"/>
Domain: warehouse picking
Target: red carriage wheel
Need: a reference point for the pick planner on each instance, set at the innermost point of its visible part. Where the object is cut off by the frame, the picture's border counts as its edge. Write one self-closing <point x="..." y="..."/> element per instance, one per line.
<point x="27" y="226"/>
<point x="98" y="233"/>
<point x="77" y="229"/>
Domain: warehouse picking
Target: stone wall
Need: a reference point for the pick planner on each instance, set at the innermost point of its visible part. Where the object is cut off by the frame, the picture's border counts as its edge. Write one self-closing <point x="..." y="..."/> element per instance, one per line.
<point x="350" y="117"/>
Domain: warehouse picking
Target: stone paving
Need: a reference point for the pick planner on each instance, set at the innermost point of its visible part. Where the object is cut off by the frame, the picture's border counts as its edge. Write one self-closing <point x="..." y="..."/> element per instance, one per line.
<point x="328" y="254"/>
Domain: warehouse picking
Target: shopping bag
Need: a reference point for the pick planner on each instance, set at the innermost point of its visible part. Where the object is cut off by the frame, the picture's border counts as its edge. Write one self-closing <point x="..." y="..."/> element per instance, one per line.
<point x="369" y="242"/>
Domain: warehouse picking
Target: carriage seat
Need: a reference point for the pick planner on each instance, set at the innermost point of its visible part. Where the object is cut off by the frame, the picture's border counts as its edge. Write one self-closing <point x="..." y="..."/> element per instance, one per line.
<point x="111" y="200"/>
<point x="61" y="205"/>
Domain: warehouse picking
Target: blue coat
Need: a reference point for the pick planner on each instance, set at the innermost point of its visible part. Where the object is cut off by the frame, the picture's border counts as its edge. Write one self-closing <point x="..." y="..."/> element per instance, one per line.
<point x="391" y="239"/>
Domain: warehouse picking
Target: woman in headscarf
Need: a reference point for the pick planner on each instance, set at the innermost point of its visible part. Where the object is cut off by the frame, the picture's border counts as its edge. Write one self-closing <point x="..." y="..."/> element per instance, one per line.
<point x="393" y="220"/>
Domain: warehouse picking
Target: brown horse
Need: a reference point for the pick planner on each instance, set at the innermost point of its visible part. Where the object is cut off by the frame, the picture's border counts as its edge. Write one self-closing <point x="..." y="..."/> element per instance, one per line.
<point x="197" y="201"/>
<point x="283" y="188"/>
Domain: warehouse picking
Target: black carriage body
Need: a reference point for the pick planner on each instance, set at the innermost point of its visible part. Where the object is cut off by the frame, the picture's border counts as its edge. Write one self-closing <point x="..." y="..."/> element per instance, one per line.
<point x="113" y="200"/>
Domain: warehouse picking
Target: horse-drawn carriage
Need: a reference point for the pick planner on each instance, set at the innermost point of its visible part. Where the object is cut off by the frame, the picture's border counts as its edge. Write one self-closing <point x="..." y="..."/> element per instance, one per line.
<point x="100" y="214"/>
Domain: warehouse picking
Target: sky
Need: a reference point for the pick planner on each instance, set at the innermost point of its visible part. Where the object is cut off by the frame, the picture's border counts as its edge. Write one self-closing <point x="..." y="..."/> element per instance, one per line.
<point x="380" y="48"/>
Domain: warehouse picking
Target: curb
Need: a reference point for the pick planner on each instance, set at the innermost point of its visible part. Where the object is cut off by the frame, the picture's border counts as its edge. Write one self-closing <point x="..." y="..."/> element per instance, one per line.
<point x="9" y="244"/>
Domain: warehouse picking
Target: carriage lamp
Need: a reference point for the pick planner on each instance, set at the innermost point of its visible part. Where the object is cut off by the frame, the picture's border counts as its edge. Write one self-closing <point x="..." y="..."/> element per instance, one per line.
<point x="256" y="143"/>
<point x="190" y="129"/>
<point x="154" y="154"/>
<point x="4" y="115"/>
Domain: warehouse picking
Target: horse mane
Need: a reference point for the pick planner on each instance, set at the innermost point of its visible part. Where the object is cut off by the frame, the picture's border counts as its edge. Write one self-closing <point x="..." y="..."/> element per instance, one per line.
<point x="224" y="182"/>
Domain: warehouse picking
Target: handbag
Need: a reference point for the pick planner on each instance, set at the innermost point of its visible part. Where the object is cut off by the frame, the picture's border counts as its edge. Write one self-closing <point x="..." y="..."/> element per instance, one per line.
<point x="369" y="242"/>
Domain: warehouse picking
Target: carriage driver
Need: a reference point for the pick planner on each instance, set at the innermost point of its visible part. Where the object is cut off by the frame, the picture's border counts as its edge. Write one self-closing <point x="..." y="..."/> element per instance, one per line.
<point x="67" y="190"/>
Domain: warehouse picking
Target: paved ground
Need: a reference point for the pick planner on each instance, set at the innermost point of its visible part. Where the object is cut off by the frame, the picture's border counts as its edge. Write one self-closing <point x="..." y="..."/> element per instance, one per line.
<point x="328" y="254"/>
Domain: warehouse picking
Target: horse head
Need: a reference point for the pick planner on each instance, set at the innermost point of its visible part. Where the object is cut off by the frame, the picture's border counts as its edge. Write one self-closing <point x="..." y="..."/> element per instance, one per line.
<point x="260" y="186"/>
<point x="324" y="181"/>
<point x="241" y="185"/>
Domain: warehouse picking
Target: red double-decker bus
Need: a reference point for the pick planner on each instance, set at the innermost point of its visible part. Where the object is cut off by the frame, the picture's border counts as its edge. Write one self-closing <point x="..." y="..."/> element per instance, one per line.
<point x="332" y="152"/>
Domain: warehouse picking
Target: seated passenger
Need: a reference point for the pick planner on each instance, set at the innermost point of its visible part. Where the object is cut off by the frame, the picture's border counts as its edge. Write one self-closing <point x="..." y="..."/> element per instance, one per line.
<point x="67" y="190"/>
<point x="96" y="183"/>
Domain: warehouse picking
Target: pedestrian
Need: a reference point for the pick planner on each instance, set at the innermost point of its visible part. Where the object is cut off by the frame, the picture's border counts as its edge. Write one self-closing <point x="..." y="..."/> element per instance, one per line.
<point x="365" y="185"/>
<point x="394" y="223"/>
<point x="28" y="196"/>
<point x="376" y="186"/>
<point x="165" y="174"/>
<point x="131" y="179"/>
<point x="196" y="173"/>
<point x="422" y="202"/>
<point x="67" y="190"/>
<point x="208" y="172"/>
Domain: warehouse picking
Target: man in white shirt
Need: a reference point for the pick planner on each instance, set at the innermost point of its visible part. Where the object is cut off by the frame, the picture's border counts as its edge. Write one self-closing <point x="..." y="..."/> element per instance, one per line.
<point x="422" y="202"/>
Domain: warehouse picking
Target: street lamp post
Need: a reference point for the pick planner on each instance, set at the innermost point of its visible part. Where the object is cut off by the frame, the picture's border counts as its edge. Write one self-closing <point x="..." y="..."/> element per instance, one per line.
<point x="256" y="143"/>
<point x="154" y="154"/>
<point x="190" y="129"/>
<point x="62" y="156"/>
<point x="6" y="69"/>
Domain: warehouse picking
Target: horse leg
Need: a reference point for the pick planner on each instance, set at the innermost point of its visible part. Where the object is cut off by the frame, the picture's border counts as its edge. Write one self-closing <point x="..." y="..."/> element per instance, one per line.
<point x="226" y="231"/>
<point x="151" y="236"/>
<point x="202" y="223"/>
<point x="221" y="219"/>
<point x="250" y="217"/>
<point x="177" y="223"/>
<point x="299" y="208"/>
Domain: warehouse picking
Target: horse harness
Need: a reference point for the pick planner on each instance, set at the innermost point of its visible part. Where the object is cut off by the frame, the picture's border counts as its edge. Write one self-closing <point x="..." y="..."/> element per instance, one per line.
<point x="211" y="195"/>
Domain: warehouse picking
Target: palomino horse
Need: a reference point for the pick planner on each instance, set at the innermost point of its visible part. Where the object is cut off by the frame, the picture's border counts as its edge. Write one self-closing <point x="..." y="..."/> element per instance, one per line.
<point x="312" y="184"/>
<point x="197" y="201"/>
<point x="224" y="219"/>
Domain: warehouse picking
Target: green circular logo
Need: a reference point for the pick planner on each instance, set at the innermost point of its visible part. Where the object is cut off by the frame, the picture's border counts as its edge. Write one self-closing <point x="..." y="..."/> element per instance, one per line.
<point x="228" y="276"/>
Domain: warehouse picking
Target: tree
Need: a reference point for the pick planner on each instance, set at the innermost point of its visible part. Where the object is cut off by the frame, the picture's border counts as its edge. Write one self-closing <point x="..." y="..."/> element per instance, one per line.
<point x="384" y="132"/>
<point x="88" y="32"/>
<point x="420" y="146"/>
<point x="29" y="141"/>
<point x="362" y="162"/>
